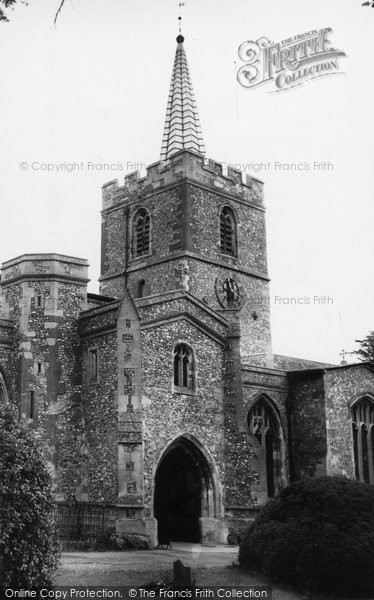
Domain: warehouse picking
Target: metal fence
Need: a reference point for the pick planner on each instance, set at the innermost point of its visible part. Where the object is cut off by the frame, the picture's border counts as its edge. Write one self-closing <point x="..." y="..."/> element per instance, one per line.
<point x="80" y="524"/>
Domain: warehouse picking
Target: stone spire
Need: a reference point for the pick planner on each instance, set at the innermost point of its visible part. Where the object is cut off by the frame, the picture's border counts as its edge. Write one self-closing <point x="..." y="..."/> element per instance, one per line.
<point x="182" y="126"/>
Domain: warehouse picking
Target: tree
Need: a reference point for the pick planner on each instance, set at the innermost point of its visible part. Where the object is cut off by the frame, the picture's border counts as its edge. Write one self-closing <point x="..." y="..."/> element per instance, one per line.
<point x="28" y="543"/>
<point x="4" y="4"/>
<point x="366" y="352"/>
<point x="317" y="535"/>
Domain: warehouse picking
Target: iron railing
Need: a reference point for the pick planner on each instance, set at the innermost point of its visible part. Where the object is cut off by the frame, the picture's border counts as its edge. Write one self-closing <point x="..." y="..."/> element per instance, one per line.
<point x="80" y="524"/>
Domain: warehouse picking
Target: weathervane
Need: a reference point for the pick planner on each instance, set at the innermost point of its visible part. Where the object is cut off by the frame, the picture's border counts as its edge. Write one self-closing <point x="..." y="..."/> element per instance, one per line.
<point x="180" y="4"/>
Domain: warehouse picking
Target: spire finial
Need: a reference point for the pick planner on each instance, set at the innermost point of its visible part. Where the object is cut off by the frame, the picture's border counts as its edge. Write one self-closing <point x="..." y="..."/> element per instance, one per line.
<point x="180" y="38"/>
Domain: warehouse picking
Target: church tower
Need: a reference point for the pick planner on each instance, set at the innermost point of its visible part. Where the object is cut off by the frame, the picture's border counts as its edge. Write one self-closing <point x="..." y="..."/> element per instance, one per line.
<point x="190" y="224"/>
<point x="184" y="250"/>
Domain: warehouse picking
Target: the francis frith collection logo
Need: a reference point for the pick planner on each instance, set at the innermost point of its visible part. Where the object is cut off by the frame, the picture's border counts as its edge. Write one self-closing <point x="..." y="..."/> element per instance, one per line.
<point x="290" y="62"/>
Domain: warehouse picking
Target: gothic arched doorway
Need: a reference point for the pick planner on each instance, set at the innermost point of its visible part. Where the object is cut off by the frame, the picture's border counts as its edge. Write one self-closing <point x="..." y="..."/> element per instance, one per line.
<point x="184" y="492"/>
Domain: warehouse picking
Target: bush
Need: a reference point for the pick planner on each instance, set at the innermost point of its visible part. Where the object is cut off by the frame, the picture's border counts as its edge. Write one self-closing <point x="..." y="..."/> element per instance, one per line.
<point x="317" y="535"/>
<point x="28" y="544"/>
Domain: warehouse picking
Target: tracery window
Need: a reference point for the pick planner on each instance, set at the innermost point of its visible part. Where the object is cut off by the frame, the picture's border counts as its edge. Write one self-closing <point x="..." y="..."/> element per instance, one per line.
<point x="228" y="231"/>
<point x="183" y="367"/>
<point x="362" y="414"/>
<point x="264" y="426"/>
<point x="141" y="232"/>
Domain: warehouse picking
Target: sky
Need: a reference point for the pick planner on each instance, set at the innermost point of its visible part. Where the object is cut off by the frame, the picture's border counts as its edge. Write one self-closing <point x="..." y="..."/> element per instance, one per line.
<point x="92" y="90"/>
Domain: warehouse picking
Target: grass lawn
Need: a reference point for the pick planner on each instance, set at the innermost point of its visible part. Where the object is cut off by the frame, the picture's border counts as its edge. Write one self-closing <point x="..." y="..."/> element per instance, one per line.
<point x="139" y="568"/>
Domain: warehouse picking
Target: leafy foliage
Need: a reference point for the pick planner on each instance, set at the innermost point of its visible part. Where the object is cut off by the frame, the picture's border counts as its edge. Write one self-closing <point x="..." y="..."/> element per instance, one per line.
<point x="4" y="4"/>
<point x="28" y="544"/>
<point x="366" y="352"/>
<point x="317" y="534"/>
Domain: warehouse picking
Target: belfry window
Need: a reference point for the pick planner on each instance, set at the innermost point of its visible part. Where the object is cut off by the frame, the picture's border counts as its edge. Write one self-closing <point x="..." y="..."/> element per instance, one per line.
<point x="183" y="367"/>
<point x="363" y="439"/>
<point x="263" y="425"/>
<point x="227" y="232"/>
<point x="141" y="236"/>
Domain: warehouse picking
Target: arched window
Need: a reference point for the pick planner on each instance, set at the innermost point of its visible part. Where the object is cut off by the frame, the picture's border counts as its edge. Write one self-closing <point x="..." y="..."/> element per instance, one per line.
<point x="362" y="414"/>
<point x="183" y="367"/>
<point x="263" y="424"/>
<point x="228" y="231"/>
<point x="141" y="237"/>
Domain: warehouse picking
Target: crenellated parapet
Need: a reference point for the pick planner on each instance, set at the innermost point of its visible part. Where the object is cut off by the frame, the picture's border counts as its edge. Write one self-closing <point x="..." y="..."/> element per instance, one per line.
<point x="184" y="164"/>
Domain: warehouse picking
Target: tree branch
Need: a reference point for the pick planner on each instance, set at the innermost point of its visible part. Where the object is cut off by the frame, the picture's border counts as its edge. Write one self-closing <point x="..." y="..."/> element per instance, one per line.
<point x="58" y="11"/>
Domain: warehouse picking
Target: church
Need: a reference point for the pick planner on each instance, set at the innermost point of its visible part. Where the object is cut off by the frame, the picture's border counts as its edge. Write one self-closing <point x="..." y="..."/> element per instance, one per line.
<point x="160" y="399"/>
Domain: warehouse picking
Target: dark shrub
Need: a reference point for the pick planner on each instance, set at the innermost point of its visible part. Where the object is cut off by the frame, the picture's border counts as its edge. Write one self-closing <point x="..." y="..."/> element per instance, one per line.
<point x="28" y="547"/>
<point x="317" y="534"/>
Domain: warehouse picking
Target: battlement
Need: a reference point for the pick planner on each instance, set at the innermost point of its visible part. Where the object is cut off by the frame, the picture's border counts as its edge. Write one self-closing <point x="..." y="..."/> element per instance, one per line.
<point x="184" y="164"/>
<point x="44" y="266"/>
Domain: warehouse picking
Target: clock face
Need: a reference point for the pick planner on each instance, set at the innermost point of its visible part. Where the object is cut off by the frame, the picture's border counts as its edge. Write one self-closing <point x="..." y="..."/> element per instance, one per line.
<point x="228" y="291"/>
